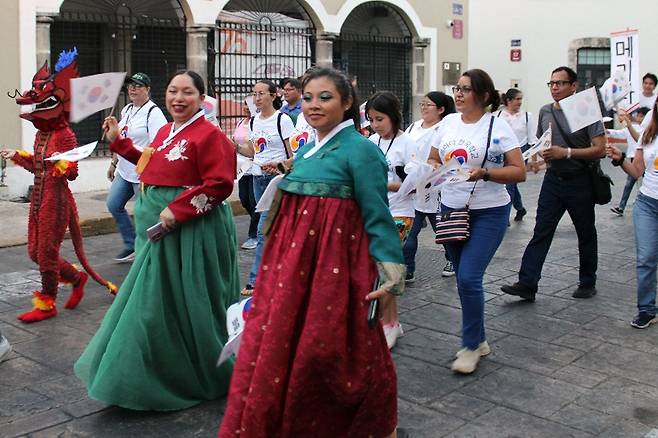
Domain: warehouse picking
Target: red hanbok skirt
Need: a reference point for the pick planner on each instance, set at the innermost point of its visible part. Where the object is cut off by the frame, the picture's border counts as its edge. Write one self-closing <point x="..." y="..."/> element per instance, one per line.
<point x="309" y="365"/>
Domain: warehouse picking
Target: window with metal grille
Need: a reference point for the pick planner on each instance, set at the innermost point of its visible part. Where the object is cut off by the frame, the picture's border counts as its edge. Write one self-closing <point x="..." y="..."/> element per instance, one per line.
<point x="593" y="66"/>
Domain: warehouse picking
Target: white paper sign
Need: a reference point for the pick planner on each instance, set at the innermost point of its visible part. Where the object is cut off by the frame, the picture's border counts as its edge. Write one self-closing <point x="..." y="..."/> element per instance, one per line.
<point x="625" y="56"/>
<point x="268" y="195"/>
<point x="231" y="348"/>
<point x="615" y="89"/>
<point x="249" y="100"/>
<point x="243" y="165"/>
<point x="581" y="109"/>
<point x="544" y="142"/>
<point x="90" y="94"/>
<point x="75" y="154"/>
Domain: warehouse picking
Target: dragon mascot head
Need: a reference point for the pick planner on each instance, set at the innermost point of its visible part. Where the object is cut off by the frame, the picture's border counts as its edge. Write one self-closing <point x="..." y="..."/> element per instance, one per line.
<point x="50" y="94"/>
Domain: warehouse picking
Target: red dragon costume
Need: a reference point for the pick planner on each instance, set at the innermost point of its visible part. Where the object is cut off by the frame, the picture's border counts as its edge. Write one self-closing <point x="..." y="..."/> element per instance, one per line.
<point x="52" y="207"/>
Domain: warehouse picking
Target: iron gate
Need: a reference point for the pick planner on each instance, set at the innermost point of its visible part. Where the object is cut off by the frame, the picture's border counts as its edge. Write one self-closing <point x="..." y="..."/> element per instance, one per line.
<point x="117" y="42"/>
<point x="379" y="63"/>
<point x="250" y="52"/>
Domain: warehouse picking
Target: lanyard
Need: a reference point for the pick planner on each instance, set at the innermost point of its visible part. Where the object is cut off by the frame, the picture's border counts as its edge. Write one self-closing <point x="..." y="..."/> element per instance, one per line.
<point x="173" y="133"/>
<point x="389" y="145"/>
<point x="131" y="115"/>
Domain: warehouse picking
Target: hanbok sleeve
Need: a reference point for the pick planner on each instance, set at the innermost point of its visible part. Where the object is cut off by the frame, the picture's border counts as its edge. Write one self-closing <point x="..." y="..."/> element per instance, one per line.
<point x="369" y="174"/>
<point x="125" y="148"/>
<point x="216" y="166"/>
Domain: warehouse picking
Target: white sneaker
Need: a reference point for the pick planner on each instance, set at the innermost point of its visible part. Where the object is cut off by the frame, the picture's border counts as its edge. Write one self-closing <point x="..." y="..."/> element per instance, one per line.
<point x="250" y="244"/>
<point x="483" y="349"/>
<point x="5" y="348"/>
<point x="392" y="333"/>
<point x="448" y="270"/>
<point x="466" y="362"/>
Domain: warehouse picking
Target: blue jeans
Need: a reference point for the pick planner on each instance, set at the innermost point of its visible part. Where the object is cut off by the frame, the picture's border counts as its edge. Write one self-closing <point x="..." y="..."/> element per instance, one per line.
<point x="628" y="188"/>
<point x="557" y="195"/>
<point x="260" y="184"/>
<point x="645" y="218"/>
<point x="470" y="260"/>
<point x="411" y="244"/>
<point x="248" y="201"/>
<point x="120" y="193"/>
<point x="514" y="193"/>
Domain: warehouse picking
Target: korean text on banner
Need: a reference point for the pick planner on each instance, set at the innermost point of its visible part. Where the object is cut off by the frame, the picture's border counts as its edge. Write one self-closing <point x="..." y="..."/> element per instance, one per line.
<point x="625" y="56"/>
<point x="581" y="109"/>
<point x="90" y="94"/>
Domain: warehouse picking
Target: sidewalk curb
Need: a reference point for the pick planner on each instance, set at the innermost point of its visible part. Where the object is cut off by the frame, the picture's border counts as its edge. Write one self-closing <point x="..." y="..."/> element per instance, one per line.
<point x="106" y="225"/>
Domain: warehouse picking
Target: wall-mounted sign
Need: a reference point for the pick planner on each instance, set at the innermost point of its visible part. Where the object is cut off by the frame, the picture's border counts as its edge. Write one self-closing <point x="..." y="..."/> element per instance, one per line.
<point x="457" y="9"/>
<point x="515" y="43"/>
<point x="458" y="29"/>
<point x="515" y="55"/>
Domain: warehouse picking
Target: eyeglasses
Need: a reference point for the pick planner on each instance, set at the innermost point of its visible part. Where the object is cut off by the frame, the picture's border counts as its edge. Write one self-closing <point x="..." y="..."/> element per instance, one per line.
<point x="552" y="84"/>
<point x="426" y="105"/>
<point x="289" y="89"/>
<point x="135" y="86"/>
<point x="464" y="89"/>
<point x="260" y="94"/>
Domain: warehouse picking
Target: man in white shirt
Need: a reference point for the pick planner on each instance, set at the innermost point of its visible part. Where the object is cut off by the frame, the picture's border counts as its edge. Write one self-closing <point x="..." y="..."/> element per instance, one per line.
<point x="648" y="97"/>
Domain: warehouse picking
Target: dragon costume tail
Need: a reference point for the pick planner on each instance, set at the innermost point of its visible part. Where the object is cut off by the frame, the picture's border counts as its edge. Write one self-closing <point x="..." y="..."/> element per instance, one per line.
<point x="76" y="238"/>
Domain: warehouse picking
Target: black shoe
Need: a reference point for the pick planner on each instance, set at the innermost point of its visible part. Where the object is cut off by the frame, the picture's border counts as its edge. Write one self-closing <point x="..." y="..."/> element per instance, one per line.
<point x="410" y="278"/>
<point x="584" y="292"/>
<point x="520" y="214"/>
<point x="125" y="256"/>
<point x="519" y="290"/>
<point x="618" y="211"/>
<point x="643" y="320"/>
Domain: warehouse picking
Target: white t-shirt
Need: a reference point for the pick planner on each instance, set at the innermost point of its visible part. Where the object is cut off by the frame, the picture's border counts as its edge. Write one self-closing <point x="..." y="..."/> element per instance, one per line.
<point x="467" y="142"/>
<point x="647" y="101"/>
<point x="398" y="151"/>
<point x="650" y="181"/>
<point x="133" y="124"/>
<point x="525" y="131"/>
<point x="624" y="134"/>
<point x="422" y="137"/>
<point x="303" y="134"/>
<point x="268" y="146"/>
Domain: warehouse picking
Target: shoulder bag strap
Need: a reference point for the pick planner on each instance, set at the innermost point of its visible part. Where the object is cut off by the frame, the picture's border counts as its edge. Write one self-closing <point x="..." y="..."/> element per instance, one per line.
<point x="484" y="159"/>
<point x="278" y="128"/>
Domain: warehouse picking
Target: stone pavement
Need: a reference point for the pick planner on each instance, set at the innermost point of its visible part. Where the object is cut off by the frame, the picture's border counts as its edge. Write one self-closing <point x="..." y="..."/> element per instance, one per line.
<point x="559" y="368"/>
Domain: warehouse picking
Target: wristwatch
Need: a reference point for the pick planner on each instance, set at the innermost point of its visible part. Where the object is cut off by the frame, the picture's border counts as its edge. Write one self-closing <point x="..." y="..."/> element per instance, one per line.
<point x="486" y="176"/>
<point x="619" y="162"/>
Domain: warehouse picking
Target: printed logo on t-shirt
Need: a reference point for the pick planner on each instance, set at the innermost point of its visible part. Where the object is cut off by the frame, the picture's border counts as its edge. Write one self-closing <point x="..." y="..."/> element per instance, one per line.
<point x="655" y="165"/>
<point x="460" y="154"/>
<point x="298" y="140"/>
<point x="260" y="145"/>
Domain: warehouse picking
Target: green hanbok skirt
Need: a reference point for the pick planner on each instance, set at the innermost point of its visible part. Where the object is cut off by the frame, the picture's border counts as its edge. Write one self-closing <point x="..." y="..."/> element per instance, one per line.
<point x="158" y="344"/>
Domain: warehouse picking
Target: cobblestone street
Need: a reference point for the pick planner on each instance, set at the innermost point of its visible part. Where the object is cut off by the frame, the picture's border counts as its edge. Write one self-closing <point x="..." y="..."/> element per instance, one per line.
<point x="560" y="367"/>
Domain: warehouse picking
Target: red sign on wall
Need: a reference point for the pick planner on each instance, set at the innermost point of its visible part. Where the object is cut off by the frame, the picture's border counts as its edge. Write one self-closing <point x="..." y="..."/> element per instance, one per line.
<point x="457" y="29"/>
<point x="515" y="55"/>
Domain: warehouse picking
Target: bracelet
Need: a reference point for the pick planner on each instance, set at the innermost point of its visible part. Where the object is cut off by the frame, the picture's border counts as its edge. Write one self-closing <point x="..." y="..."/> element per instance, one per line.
<point x="487" y="176"/>
<point x="568" y="153"/>
<point x="619" y="162"/>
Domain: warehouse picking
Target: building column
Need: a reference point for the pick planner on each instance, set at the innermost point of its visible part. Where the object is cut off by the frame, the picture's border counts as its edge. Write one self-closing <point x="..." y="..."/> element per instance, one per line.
<point x="43" y="39"/>
<point x="324" y="49"/>
<point x="419" y="74"/>
<point x="197" y="50"/>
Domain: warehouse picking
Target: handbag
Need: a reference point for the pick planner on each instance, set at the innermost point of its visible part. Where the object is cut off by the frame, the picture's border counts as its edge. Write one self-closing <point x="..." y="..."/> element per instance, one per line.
<point x="601" y="182"/>
<point x="454" y="225"/>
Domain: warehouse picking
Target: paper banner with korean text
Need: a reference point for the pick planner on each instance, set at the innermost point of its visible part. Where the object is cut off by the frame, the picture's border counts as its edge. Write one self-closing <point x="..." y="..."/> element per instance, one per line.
<point x="90" y="94"/>
<point x="625" y="56"/>
<point x="268" y="195"/>
<point x="243" y="165"/>
<point x="615" y="89"/>
<point x="581" y="109"/>
<point x="75" y="154"/>
<point x="236" y="315"/>
<point x="544" y="142"/>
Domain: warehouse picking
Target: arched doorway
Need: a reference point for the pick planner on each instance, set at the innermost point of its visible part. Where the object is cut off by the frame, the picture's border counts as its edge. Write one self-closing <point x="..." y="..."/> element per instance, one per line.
<point x="121" y="35"/>
<point x="252" y="40"/>
<point x="375" y="47"/>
